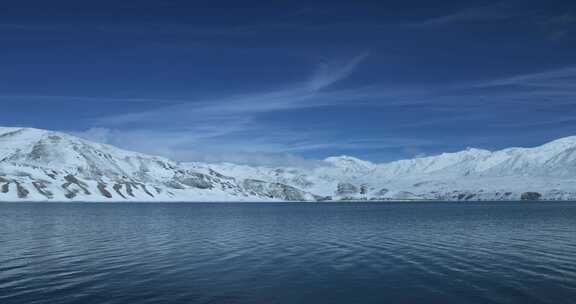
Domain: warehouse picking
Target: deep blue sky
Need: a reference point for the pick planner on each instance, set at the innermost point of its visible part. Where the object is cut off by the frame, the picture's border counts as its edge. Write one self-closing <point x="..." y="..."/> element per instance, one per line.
<point x="270" y="82"/>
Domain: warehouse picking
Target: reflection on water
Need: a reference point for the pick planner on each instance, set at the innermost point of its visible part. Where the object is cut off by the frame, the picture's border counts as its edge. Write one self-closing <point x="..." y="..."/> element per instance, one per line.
<point x="288" y="253"/>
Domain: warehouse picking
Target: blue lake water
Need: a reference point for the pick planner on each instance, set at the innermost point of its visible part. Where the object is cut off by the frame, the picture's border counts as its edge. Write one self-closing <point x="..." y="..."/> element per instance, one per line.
<point x="505" y="252"/>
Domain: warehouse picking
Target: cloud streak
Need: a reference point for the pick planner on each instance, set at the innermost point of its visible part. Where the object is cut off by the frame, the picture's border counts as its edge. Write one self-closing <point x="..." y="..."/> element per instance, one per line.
<point x="108" y="99"/>
<point x="218" y="123"/>
<point x="233" y="128"/>
<point x="558" y="78"/>
<point x="497" y="12"/>
<point x="236" y="111"/>
<point x="555" y="24"/>
<point x="332" y="72"/>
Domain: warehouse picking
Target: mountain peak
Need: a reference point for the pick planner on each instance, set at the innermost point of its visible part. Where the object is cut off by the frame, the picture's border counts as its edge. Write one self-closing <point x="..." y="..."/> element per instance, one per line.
<point x="42" y="165"/>
<point x="349" y="162"/>
<point x="564" y="142"/>
<point x="39" y="164"/>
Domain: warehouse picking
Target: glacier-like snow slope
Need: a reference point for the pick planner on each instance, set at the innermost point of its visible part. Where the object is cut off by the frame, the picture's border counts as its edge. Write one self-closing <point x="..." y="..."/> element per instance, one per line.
<point x="548" y="170"/>
<point x="40" y="165"/>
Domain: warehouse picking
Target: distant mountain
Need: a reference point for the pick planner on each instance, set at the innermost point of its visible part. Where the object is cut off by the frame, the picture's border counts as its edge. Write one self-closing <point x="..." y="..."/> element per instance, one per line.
<point x="40" y="165"/>
<point x="544" y="172"/>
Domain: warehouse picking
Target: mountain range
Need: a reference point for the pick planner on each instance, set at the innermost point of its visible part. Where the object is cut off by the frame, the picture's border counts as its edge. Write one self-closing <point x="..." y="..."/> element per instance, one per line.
<point x="42" y="165"/>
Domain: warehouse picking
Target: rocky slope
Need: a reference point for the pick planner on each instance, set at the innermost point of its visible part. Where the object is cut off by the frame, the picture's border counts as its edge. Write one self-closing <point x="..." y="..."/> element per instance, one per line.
<point x="40" y="165"/>
<point x="544" y="172"/>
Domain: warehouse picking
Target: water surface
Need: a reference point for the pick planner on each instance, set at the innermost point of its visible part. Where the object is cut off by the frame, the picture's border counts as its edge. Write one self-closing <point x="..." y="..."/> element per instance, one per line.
<point x="288" y="253"/>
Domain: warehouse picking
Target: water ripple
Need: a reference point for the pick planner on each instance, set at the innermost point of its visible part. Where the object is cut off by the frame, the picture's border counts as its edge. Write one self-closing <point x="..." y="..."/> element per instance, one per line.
<point x="287" y="253"/>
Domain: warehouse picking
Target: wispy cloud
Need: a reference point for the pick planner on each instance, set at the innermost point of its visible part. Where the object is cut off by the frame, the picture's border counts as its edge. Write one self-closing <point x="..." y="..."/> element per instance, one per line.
<point x="281" y="147"/>
<point x="499" y="11"/>
<point x="559" y="26"/>
<point x="108" y="99"/>
<point x="169" y="130"/>
<point x="241" y="109"/>
<point x="331" y="72"/>
<point x="231" y="128"/>
<point x="555" y="24"/>
<point x="564" y="77"/>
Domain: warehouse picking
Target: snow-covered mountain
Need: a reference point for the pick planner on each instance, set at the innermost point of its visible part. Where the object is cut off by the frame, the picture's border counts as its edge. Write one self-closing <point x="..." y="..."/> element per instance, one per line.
<point x="40" y="165"/>
<point x="544" y="172"/>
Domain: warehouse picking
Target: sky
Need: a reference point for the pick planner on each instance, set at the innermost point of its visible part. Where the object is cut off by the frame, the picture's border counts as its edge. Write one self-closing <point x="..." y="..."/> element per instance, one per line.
<point x="291" y="82"/>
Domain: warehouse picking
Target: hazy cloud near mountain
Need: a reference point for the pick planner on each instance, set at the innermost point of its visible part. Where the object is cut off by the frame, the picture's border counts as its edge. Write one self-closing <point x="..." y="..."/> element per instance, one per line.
<point x="232" y="129"/>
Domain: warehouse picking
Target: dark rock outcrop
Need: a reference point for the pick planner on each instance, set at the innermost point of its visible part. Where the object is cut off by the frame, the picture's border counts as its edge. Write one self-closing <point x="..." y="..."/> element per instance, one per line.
<point x="346" y="189"/>
<point x="530" y="196"/>
<point x="196" y="180"/>
<point x="104" y="191"/>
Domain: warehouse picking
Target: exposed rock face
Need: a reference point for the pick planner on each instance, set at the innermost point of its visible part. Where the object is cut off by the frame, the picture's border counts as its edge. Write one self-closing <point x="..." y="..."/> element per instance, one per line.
<point x="288" y="193"/>
<point x="193" y="179"/>
<point x="42" y="188"/>
<point x="346" y="189"/>
<point x="382" y="192"/>
<point x="530" y="196"/>
<point x="470" y="175"/>
<point x="22" y="192"/>
<point x="272" y="190"/>
<point x="104" y="191"/>
<point x="39" y="165"/>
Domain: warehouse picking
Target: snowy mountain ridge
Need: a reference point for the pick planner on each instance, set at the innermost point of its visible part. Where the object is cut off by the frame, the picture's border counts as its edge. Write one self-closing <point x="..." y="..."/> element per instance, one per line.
<point x="546" y="172"/>
<point x="41" y="165"/>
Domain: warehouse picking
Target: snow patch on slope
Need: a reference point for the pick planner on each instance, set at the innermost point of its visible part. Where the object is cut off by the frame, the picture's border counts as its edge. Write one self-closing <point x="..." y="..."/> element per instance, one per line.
<point x="40" y="165"/>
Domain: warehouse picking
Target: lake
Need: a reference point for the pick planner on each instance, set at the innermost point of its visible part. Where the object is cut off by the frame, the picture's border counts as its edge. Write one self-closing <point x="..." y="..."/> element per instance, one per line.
<point x="500" y="252"/>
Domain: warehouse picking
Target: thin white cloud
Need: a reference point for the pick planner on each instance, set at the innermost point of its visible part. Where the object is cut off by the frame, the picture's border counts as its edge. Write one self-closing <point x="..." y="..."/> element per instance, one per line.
<point x="332" y="72"/>
<point x="205" y="128"/>
<point x="279" y="148"/>
<point x="231" y="129"/>
<point x="494" y="12"/>
<point x="109" y="99"/>
<point x="563" y="77"/>
<point x="225" y="115"/>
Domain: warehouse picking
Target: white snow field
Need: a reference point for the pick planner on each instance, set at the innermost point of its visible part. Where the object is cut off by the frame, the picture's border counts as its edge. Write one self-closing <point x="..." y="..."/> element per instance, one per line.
<point x="41" y="165"/>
